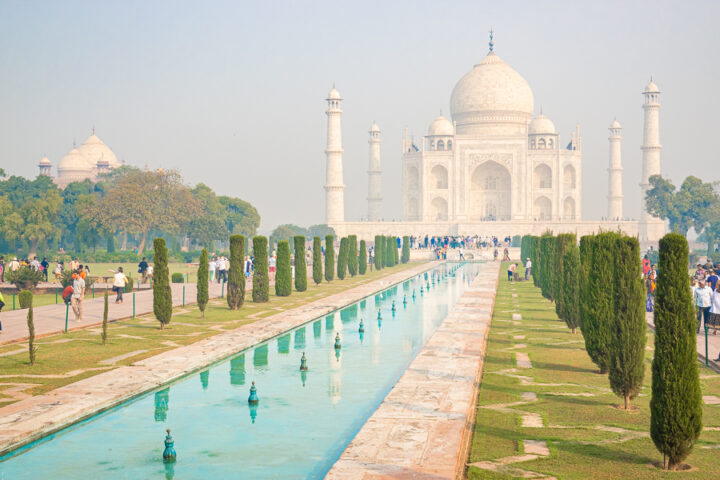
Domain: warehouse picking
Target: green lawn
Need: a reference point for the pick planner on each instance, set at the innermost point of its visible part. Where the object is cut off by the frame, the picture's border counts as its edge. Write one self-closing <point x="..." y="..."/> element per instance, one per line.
<point x="587" y="437"/>
<point x="67" y="358"/>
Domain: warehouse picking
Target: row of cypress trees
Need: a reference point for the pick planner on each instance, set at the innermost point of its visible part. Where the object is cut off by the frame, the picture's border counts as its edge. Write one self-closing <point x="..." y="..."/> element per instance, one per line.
<point x="599" y="288"/>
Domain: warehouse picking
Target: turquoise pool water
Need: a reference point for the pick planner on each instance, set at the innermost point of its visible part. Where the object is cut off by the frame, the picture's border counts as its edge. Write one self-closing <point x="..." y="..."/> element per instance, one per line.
<point x="304" y="419"/>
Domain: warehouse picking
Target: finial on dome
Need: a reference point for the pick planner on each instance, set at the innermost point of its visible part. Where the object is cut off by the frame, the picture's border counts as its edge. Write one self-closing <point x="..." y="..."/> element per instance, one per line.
<point x="93" y="129"/>
<point x="74" y="143"/>
<point x="491" y="43"/>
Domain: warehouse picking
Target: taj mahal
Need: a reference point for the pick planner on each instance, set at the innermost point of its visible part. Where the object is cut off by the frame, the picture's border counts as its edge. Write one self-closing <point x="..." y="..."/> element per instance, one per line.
<point x="492" y="168"/>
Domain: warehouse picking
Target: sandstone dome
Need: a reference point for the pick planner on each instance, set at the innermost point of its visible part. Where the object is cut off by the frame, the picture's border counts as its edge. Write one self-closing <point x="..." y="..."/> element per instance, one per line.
<point x="542" y="125"/>
<point x="491" y="86"/>
<point x="93" y="149"/>
<point x="441" y="126"/>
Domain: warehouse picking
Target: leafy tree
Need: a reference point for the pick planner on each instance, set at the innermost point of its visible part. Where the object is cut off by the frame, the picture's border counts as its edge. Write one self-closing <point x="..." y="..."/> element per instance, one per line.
<point x="261" y="281"/>
<point x="329" y="258"/>
<point x="24" y="278"/>
<point x="688" y="207"/>
<point x="564" y="242"/>
<point x="283" y="277"/>
<point x="352" y="255"/>
<point x="571" y="287"/>
<point x="241" y="218"/>
<point x="676" y="403"/>
<point x="162" y="293"/>
<point x="321" y="230"/>
<point x="362" y="258"/>
<point x="379" y="255"/>
<point x="207" y="227"/>
<point x="628" y="331"/>
<point x="300" y="265"/>
<point x="236" y="275"/>
<point x="287" y="231"/>
<point x="342" y="259"/>
<point x="203" y="279"/>
<point x="406" y="249"/>
<point x="317" y="260"/>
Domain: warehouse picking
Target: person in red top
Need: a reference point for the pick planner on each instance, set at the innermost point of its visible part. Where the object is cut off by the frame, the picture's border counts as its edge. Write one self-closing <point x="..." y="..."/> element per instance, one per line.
<point x="645" y="265"/>
<point x="67" y="294"/>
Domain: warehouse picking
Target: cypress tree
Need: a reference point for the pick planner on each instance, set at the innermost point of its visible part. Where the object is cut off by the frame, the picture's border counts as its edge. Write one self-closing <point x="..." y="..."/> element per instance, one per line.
<point x="406" y="249"/>
<point x="283" y="276"/>
<point x="317" y="261"/>
<point x="352" y="255"/>
<point x="236" y="275"/>
<point x="563" y="243"/>
<point x="535" y="259"/>
<point x="362" y="258"/>
<point x="104" y="331"/>
<point x="300" y="264"/>
<point x="32" y="348"/>
<point x="396" y="253"/>
<point x="628" y="331"/>
<point x="203" y="279"/>
<point x="342" y="259"/>
<point x="547" y="258"/>
<point x="379" y="255"/>
<point x="387" y="248"/>
<point x="571" y="287"/>
<point x="329" y="258"/>
<point x="261" y="278"/>
<point x="162" y="294"/>
<point x="587" y="243"/>
<point x="676" y="404"/>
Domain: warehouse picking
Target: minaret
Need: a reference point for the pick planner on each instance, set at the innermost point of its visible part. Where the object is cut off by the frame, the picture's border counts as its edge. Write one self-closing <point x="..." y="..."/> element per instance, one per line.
<point x="615" y="196"/>
<point x="651" y="155"/>
<point x="334" y="186"/>
<point x="374" y="176"/>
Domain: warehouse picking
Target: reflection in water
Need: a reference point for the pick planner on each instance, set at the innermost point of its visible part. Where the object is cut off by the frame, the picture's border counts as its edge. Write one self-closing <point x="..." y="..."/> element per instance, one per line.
<point x="349" y="314"/>
<point x="337" y="354"/>
<point x="283" y="344"/>
<point x="169" y="470"/>
<point x="253" y="411"/>
<point x="362" y="336"/>
<point x="330" y="323"/>
<point x="162" y="399"/>
<point x="260" y="356"/>
<point x="237" y="370"/>
<point x="317" y="329"/>
<point x="300" y="338"/>
<point x="303" y="377"/>
<point x="363" y="304"/>
<point x="205" y="379"/>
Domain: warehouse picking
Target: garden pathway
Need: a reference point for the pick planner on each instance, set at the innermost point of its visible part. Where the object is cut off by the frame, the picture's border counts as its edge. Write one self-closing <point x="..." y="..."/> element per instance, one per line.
<point x="713" y="343"/>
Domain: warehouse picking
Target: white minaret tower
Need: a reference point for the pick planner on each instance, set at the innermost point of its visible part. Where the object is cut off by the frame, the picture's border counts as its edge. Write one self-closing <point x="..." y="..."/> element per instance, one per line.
<point x="374" y="176"/>
<point x="615" y="196"/>
<point x="334" y="186"/>
<point x="650" y="227"/>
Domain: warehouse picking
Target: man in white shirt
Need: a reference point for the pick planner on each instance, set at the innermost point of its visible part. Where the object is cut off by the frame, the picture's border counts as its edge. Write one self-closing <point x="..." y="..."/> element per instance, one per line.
<point x="703" y="301"/>
<point x="14" y="266"/>
<point x="528" y="268"/>
<point x="211" y="269"/>
<point x="77" y="296"/>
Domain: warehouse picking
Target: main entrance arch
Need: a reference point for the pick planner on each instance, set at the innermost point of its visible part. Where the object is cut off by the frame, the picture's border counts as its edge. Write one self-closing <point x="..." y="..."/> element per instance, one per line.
<point x="490" y="192"/>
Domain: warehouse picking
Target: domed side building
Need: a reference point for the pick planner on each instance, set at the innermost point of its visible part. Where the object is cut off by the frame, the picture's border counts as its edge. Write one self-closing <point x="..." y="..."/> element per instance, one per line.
<point x="92" y="158"/>
<point x="493" y="162"/>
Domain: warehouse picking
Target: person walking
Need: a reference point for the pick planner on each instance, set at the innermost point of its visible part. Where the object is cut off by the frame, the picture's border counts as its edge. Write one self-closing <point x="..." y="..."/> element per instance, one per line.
<point x="77" y="296"/>
<point x="142" y="270"/>
<point x="211" y="269"/>
<point x="511" y="271"/>
<point x="45" y="265"/>
<point x="14" y="265"/>
<point x="119" y="282"/>
<point x="703" y="301"/>
<point x="528" y="269"/>
<point x="715" y="309"/>
<point x="2" y="268"/>
<point x="2" y="304"/>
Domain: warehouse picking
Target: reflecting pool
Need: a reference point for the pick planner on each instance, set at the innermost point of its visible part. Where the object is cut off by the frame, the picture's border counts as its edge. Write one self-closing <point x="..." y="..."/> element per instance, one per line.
<point x="304" y="420"/>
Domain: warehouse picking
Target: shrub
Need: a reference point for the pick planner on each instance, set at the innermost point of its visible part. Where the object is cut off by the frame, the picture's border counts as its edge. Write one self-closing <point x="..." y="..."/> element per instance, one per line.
<point x="203" y="278"/>
<point x="628" y="330"/>
<point x="32" y="348"/>
<point x="162" y="294"/>
<point x="362" y="258"/>
<point x="283" y="276"/>
<point x="406" y="249"/>
<point x="25" y="298"/>
<point x="68" y="280"/>
<point x="177" y="277"/>
<point x="104" y="332"/>
<point x="342" y="259"/>
<point x="236" y="275"/>
<point x="261" y="280"/>
<point x="300" y="265"/>
<point x="379" y="255"/>
<point x="317" y="260"/>
<point x="25" y="278"/>
<point x="676" y="404"/>
<point x="329" y="258"/>
<point x="352" y="255"/>
<point x="130" y="283"/>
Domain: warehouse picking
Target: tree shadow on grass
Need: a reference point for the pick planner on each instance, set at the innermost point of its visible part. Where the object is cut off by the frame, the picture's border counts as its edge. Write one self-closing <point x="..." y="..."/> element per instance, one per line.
<point x="561" y="367"/>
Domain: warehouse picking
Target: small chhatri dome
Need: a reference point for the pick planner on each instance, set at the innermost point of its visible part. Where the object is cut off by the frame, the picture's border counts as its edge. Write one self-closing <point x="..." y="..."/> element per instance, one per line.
<point x="651" y="88"/>
<point x="45" y="161"/>
<point x="334" y="94"/>
<point x="73" y="161"/>
<point x="374" y="128"/>
<point x="542" y="124"/>
<point x="441" y="126"/>
<point x="615" y="124"/>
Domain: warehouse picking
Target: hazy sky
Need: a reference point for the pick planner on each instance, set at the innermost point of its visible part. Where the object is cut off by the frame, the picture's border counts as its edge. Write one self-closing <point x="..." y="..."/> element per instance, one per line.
<point x="232" y="93"/>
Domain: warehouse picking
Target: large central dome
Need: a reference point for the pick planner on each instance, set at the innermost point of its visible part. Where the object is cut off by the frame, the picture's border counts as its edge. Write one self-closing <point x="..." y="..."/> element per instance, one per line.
<point x="492" y="87"/>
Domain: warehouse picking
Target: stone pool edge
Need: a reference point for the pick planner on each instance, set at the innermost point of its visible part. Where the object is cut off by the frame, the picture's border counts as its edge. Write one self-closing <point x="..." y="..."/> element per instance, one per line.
<point x="423" y="427"/>
<point x="34" y="418"/>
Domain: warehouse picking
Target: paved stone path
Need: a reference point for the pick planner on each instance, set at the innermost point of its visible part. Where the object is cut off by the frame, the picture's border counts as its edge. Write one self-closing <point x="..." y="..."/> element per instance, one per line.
<point x="50" y="319"/>
<point x="713" y="343"/>
<point x="35" y="417"/>
<point x="423" y="427"/>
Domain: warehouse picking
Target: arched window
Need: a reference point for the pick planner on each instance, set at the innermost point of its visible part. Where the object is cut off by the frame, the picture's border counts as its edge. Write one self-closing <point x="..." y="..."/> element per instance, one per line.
<point x="432" y="144"/>
<point x="441" y="145"/>
<point x="532" y="143"/>
<point x="542" y="176"/>
<point x="568" y="177"/>
<point x="449" y="145"/>
<point x="439" y="175"/>
<point x="541" y="144"/>
<point x="550" y="143"/>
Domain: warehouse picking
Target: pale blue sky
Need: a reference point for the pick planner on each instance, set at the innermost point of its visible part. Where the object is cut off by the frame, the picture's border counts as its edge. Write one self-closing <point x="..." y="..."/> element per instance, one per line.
<point x="231" y="93"/>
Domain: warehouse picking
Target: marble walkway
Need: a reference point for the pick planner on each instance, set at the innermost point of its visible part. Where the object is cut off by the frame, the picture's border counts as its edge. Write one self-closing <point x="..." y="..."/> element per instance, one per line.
<point x="32" y="418"/>
<point x="712" y="340"/>
<point x="422" y="429"/>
